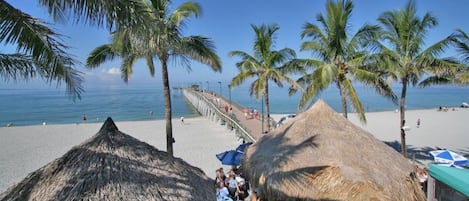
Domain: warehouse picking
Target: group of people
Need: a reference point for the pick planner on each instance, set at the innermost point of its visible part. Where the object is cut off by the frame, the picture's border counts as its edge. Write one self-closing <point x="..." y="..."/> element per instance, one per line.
<point x="253" y="114"/>
<point x="445" y="109"/>
<point x="231" y="187"/>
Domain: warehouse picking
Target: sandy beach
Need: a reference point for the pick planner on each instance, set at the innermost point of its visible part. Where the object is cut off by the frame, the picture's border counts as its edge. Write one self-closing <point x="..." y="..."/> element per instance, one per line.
<point x="25" y="149"/>
<point x="438" y="129"/>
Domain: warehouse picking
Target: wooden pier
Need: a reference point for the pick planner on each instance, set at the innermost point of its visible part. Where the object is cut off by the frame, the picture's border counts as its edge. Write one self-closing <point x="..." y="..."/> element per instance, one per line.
<point x="213" y="107"/>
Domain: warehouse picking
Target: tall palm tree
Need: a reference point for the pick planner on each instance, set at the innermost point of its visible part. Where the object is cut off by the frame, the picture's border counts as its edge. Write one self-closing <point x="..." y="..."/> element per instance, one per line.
<point x="162" y="41"/>
<point x="39" y="52"/>
<point x="339" y="58"/>
<point x="403" y="55"/>
<point x="265" y="64"/>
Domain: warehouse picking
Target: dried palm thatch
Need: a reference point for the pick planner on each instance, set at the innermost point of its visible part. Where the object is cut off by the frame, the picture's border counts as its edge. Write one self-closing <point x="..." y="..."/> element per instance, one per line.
<point x="114" y="166"/>
<point x="322" y="156"/>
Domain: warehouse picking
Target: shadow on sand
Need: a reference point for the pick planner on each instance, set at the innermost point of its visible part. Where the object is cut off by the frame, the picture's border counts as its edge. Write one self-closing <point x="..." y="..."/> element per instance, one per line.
<point x="421" y="154"/>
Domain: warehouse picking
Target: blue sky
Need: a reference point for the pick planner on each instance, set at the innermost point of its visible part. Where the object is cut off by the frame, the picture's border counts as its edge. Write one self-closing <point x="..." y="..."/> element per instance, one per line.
<point x="228" y="24"/>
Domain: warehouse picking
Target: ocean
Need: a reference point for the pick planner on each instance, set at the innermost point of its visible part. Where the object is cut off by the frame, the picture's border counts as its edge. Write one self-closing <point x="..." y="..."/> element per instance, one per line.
<point x="23" y="106"/>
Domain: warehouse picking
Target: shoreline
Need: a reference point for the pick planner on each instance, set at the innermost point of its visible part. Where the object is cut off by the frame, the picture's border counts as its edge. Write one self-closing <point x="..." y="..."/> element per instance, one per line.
<point x="193" y="114"/>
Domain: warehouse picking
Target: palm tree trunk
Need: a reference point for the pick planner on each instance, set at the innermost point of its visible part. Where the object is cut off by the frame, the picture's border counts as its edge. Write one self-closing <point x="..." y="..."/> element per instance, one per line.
<point x="402" y="112"/>
<point x="267" y="107"/>
<point x="167" y="105"/>
<point x="343" y="97"/>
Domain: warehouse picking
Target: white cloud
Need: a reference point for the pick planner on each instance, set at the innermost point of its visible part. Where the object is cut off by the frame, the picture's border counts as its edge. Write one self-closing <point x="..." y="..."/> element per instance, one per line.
<point x="114" y="71"/>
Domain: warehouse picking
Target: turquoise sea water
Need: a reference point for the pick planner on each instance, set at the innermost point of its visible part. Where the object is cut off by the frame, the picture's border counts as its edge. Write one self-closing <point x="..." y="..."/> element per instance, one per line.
<point x="417" y="98"/>
<point x="33" y="106"/>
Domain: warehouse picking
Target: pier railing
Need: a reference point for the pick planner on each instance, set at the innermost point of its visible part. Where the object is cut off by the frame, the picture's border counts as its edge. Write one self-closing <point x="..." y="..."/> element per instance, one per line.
<point x="208" y="108"/>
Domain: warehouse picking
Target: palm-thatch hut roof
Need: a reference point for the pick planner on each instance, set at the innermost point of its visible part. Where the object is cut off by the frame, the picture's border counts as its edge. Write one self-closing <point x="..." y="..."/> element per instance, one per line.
<point x="114" y="166"/>
<point x="322" y="156"/>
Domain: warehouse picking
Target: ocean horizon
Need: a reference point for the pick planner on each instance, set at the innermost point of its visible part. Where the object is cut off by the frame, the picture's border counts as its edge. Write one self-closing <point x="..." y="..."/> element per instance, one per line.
<point x="23" y="106"/>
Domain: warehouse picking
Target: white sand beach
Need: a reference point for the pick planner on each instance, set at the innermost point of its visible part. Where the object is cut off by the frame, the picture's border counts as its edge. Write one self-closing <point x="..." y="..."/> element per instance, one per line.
<point x="25" y="149"/>
<point x="438" y="129"/>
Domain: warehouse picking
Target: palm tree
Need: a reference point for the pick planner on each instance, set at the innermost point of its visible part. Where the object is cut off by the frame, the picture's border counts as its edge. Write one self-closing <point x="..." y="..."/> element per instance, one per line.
<point x="39" y="52"/>
<point x="405" y="59"/>
<point x="265" y="64"/>
<point x="162" y="41"/>
<point x="339" y="58"/>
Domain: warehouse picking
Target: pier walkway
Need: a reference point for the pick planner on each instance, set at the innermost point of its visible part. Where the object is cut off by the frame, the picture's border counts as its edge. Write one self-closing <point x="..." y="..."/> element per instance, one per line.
<point x="212" y="106"/>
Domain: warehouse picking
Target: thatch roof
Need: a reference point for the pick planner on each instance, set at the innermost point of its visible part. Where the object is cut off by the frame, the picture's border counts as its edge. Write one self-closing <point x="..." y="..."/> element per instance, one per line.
<point x="320" y="155"/>
<point x="114" y="166"/>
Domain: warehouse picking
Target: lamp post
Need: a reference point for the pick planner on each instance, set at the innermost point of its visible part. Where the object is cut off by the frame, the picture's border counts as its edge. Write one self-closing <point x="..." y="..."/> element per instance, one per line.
<point x="208" y="85"/>
<point x="219" y="83"/>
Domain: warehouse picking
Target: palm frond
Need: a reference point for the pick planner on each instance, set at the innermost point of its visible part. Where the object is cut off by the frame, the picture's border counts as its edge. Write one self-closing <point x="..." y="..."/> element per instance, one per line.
<point x="436" y="49"/>
<point x="102" y="13"/>
<point x="354" y="100"/>
<point x="39" y="44"/>
<point x="201" y="49"/>
<point x="240" y="78"/>
<point x="150" y="64"/>
<point x="375" y="81"/>
<point x="294" y="66"/>
<point x="310" y="91"/>
<point x="127" y="66"/>
<point x="100" y="55"/>
<point x="16" y="67"/>
<point x="461" y="41"/>
<point x="313" y="31"/>
<point x="184" y="11"/>
<point x="434" y="80"/>
<point x="462" y="78"/>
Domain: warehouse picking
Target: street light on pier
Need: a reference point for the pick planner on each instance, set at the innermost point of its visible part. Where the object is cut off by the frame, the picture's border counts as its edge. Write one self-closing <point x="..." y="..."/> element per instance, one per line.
<point x="208" y="85"/>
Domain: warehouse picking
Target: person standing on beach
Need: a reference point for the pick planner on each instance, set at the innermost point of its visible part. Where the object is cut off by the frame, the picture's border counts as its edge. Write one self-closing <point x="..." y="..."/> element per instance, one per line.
<point x="245" y="111"/>
<point x="418" y="123"/>
<point x="182" y="120"/>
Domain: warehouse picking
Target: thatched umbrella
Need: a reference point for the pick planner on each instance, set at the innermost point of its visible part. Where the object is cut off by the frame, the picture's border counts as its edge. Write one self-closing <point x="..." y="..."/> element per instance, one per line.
<point x="114" y="166"/>
<point x="320" y="155"/>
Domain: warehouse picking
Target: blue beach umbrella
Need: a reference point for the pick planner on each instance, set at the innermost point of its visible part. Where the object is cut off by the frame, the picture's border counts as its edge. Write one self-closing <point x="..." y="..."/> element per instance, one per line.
<point x="243" y="146"/>
<point x="449" y="157"/>
<point x="231" y="157"/>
